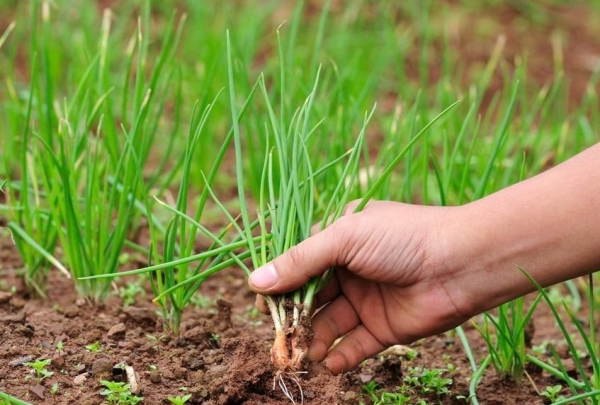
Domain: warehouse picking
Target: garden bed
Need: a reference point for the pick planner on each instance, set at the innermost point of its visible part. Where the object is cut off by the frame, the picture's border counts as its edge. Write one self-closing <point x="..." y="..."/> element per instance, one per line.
<point x="221" y="357"/>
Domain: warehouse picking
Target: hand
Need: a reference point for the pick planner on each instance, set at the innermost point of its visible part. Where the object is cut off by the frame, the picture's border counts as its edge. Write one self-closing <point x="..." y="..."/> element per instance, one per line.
<point x="403" y="272"/>
<point x="389" y="285"/>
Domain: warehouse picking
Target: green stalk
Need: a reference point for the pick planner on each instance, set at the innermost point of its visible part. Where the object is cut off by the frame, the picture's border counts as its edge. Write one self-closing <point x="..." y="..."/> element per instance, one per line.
<point x="12" y="400"/>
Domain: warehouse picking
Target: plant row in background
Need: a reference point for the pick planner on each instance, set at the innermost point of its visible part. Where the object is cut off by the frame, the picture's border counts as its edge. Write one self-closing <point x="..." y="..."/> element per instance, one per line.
<point x="112" y="134"/>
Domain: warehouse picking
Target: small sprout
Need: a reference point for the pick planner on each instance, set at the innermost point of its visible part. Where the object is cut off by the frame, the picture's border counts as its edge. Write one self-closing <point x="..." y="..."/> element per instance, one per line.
<point x="54" y="388"/>
<point x="60" y="348"/>
<point x="382" y="397"/>
<point x="180" y="400"/>
<point x="411" y="354"/>
<point x="371" y="387"/>
<point x="38" y="369"/>
<point x="152" y="367"/>
<point x="119" y="393"/>
<point x="199" y="300"/>
<point x="214" y="337"/>
<point x="94" y="347"/>
<point x="552" y="393"/>
<point x="252" y="315"/>
<point x="124" y="258"/>
<point x="449" y="365"/>
<point x="156" y="340"/>
<point x="428" y="381"/>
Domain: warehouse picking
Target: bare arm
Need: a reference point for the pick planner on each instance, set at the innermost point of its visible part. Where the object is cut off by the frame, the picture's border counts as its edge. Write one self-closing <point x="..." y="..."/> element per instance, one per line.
<point x="549" y="225"/>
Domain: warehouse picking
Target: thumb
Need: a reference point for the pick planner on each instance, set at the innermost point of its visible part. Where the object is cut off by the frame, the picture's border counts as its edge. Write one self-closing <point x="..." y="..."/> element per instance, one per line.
<point x="294" y="268"/>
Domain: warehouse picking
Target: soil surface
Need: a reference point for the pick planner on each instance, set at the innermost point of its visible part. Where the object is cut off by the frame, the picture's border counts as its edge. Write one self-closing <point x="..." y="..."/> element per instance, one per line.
<point x="220" y="357"/>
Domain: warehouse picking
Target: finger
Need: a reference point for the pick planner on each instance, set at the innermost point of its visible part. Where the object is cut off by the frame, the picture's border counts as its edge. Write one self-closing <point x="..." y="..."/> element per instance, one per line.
<point x="298" y="265"/>
<point x="334" y="320"/>
<point x="328" y="293"/>
<point x="355" y="347"/>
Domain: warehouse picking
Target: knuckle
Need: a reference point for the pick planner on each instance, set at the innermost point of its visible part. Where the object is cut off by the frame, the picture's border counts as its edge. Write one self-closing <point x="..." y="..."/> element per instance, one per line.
<point x="296" y="257"/>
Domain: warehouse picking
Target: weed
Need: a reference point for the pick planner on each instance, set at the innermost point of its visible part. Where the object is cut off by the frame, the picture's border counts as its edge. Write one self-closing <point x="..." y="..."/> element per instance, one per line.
<point x="157" y="339"/>
<point x="180" y="400"/>
<point x="199" y="300"/>
<point x="553" y="393"/>
<point x="119" y="393"/>
<point x="418" y="382"/>
<point x="428" y="381"/>
<point x="94" y="347"/>
<point x="38" y="369"/>
<point x="60" y="347"/>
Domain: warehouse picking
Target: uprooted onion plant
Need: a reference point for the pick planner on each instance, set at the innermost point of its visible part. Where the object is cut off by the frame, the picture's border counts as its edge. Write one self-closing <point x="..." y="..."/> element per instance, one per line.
<point x="298" y="188"/>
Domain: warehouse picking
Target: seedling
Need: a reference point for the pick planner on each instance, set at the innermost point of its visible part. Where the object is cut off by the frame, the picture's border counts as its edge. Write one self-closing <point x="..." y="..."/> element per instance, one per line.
<point x="381" y="397"/>
<point x="60" y="347"/>
<point x="39" y="370"/>
<point x="54" y="389"/>
<point x="428" y="381"/>
<point x="179" y="400"/>
<point x="553" y="393"/>
<point x="119" y="393"/>
<point x="200" y="300"/>
<point x="94" y="347"/>
<point x="157" y="340"/>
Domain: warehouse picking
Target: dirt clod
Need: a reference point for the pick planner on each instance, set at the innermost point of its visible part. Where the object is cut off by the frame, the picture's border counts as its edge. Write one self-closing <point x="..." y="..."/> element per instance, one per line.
<point x="140" y="314"/>
<point x="155" y="377"/>
<point x="117" y="331"/>
<point x="37" y="390"/>
<point x="102" y="366"/>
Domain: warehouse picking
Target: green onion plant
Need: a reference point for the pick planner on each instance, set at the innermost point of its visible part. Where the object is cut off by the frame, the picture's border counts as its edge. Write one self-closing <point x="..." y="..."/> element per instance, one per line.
<point x="82" y="154"/>
<point x="288" y="208"/>
<point x="587" y="385"/>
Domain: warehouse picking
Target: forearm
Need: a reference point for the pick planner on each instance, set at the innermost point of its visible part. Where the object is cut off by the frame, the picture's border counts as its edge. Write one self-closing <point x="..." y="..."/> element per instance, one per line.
<point x="548" y="225"/>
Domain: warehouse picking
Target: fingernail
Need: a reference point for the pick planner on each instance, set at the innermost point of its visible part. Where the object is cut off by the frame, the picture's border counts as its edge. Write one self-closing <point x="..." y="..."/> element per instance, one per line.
<point x="264" y="277"/>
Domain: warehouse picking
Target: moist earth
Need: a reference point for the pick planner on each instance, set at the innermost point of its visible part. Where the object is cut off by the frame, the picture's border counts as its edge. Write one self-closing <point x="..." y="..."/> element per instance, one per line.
<point x="220" y="357"/>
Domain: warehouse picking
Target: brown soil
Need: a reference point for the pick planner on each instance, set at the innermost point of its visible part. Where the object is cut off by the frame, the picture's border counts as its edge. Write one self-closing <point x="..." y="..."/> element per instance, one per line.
<point x="221" y="356"/>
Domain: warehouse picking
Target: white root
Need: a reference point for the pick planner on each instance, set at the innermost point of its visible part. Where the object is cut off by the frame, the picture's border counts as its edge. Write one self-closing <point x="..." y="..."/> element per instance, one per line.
<point x="279" y="379"/>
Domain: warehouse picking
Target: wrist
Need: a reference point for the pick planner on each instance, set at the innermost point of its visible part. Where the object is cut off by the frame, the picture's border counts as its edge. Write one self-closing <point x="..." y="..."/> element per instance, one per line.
<point x="481" y="260"/>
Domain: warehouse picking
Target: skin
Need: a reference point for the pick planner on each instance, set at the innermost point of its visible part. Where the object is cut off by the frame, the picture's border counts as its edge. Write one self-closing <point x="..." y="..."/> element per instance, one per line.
<point x="404" y="272"/>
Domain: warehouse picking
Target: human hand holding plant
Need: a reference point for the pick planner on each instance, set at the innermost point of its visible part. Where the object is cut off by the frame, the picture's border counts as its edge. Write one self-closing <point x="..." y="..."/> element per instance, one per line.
<point x="389" y="286"/>
<point x="403" y="272"/>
